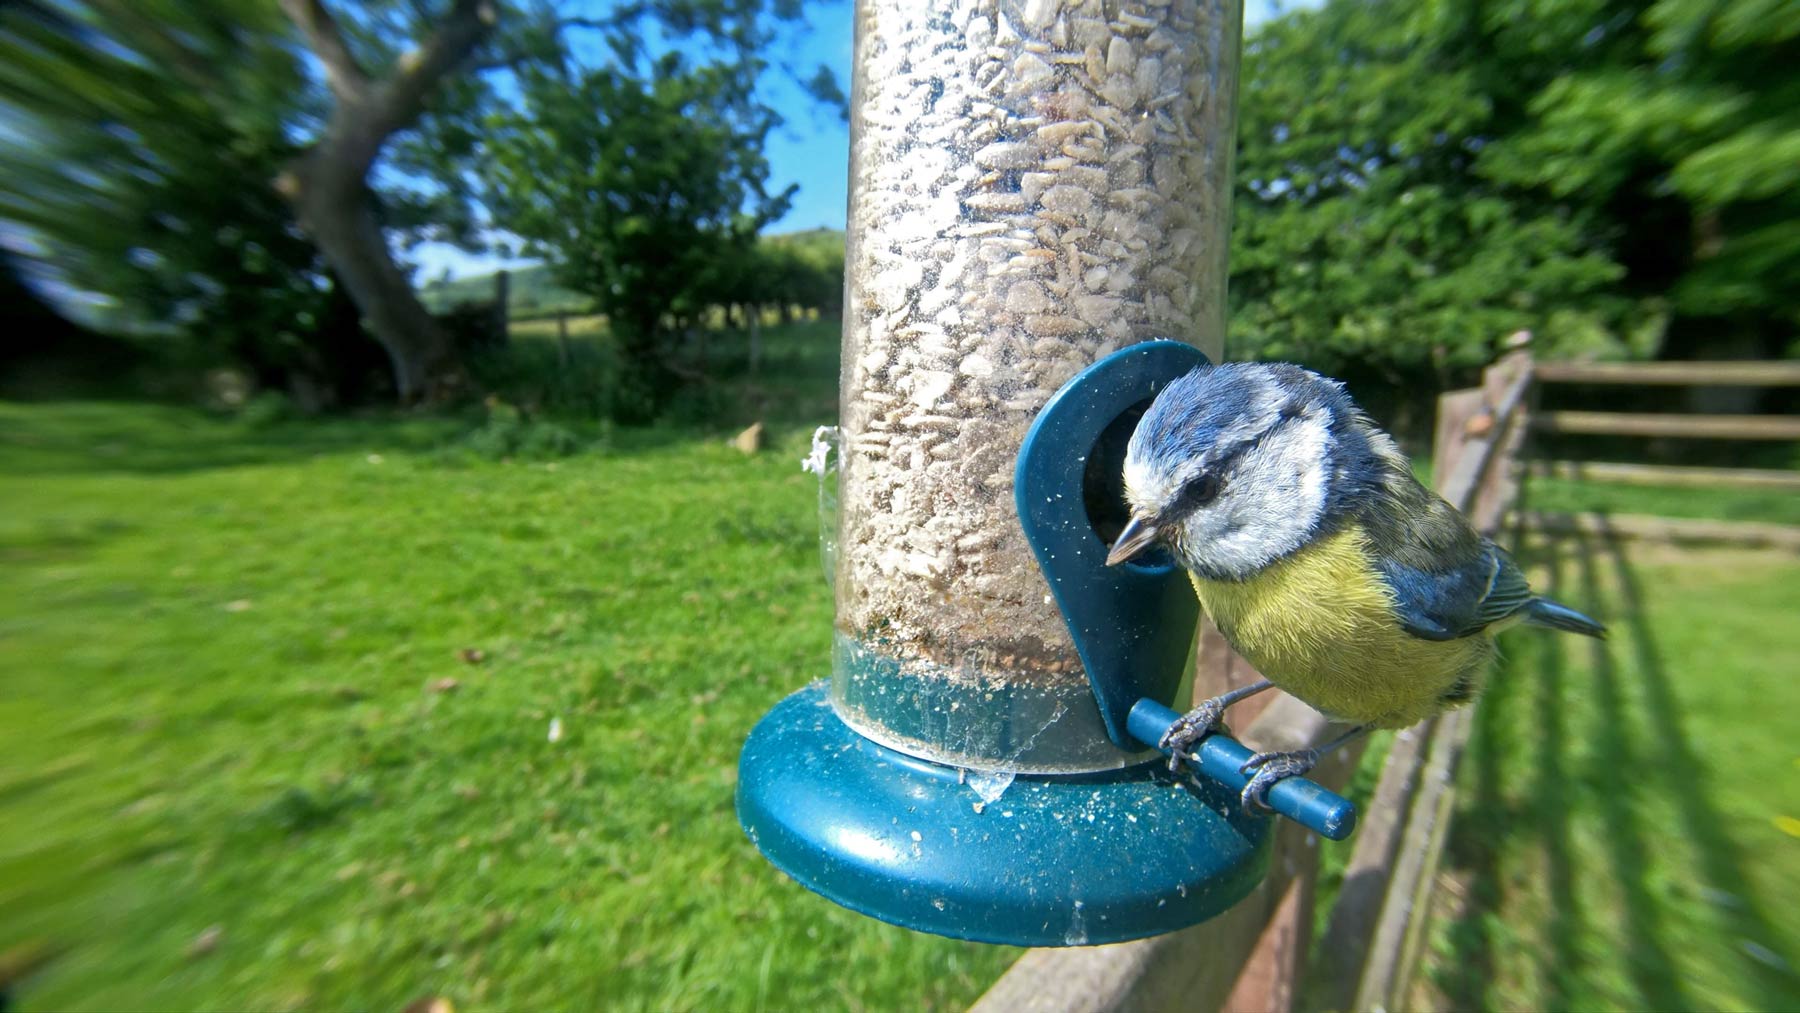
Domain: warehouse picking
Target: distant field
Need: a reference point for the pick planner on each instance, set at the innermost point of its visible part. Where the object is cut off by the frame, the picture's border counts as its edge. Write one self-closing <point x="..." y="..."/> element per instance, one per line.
<point x="529" y="291"/>
<point x="532" y="291"/>
<point x="585" y="326"/>
<point x="593" y="325"/>
<point x="795" y="380"/>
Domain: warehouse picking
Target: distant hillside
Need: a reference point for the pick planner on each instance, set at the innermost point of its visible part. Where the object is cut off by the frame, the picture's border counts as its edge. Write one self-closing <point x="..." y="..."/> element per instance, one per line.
<point x="829" y="242"/>
<point x="533" y="293"/>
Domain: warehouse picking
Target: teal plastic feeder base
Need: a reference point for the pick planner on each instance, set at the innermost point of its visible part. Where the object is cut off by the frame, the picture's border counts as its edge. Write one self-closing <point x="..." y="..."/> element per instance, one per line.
<point x="1052" y="861"/>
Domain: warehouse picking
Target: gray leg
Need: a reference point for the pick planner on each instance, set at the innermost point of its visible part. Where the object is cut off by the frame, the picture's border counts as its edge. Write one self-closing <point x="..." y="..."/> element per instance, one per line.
<point x="1272" y="767"/>
<point x="1198" y="723"/>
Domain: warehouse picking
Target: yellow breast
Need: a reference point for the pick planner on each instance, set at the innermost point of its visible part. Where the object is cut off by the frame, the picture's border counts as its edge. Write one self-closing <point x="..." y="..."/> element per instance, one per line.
<point x="1321" y="625"/>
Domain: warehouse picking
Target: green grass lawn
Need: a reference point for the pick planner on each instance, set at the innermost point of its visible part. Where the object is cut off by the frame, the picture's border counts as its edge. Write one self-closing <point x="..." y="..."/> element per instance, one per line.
<point x="1628" y="828"/>
<point x="1774" y="506"/>
<point x="277" y="707"/>
<point x="276" y="703"/>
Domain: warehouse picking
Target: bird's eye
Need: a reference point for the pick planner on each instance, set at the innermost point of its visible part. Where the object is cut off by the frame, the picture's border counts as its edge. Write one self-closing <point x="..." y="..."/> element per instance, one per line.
<point x="1201" y="490"/>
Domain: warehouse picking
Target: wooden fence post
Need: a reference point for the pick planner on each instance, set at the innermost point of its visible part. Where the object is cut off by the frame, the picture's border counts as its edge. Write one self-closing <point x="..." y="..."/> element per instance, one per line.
<point x="502" y="314"/>
<point x="1501" y="486"/>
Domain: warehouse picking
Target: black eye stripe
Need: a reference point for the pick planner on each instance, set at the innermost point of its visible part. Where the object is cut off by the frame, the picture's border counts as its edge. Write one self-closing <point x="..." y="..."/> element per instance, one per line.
<point x="1201" y="490"/>
<point x="1293" y="411"/>
<point x="1206" y="486"/>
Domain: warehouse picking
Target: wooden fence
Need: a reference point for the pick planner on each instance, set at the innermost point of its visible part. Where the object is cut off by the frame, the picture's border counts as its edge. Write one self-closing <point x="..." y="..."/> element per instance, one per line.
<point x="1668" y="426"/>
<point x="1255" y="956"/>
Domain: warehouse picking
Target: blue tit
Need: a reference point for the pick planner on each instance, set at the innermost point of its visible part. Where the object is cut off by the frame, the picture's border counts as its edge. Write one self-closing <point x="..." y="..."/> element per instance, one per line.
<point x="1319" y="556"/>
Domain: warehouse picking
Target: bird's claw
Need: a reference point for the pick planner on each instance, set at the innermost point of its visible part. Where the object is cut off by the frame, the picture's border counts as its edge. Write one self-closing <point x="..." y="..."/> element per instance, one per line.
<point x="1270" y="768"/>
<point x="1190" y="728"/>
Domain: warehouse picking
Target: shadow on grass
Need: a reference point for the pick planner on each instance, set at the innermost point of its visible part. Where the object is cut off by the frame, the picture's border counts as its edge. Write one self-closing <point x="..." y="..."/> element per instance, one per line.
<point x="1491" y="821"/>
<point x="1684" y="778"/>
<point x="1614" y="751"/>
<point x="1551" y="802"/>
<point x="1633" y="749"/>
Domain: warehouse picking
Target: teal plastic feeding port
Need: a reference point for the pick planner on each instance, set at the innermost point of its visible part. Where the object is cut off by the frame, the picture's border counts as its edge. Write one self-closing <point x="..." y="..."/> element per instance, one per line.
<point x="976" y="851"/>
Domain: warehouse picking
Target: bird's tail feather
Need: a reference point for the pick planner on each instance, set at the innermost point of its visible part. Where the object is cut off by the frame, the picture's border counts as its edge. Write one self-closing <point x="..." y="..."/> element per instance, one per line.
<point x="1544" y="612"/>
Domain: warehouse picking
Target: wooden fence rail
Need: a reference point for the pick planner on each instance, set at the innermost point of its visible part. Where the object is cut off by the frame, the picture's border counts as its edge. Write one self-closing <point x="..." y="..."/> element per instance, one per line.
<point x="1676" y="374"/>
<point x="1679" y="426"/>
<point x="1664" y="474"/>
<point x="1713" y="427"/>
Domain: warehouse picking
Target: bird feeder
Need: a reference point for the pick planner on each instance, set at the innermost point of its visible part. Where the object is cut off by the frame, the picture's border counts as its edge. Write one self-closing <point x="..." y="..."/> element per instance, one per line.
<point x="1039" y="189"/>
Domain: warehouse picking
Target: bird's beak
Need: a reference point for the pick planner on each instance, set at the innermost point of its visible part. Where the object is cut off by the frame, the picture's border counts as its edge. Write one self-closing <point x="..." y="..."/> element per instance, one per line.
<point x="1136" y="537"/>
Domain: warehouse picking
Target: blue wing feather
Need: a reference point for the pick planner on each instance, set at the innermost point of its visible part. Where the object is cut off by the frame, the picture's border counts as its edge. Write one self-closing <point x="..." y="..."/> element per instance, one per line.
<point x="1460" y="601"/>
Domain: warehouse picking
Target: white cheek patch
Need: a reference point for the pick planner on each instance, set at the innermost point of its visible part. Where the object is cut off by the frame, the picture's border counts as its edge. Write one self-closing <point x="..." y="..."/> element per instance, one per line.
<point x="1273" y="501"/>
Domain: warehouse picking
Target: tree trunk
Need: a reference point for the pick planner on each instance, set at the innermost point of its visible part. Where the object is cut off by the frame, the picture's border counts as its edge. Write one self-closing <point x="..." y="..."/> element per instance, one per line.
<point x="332" y="204"/>
<point x="327" y="186"/>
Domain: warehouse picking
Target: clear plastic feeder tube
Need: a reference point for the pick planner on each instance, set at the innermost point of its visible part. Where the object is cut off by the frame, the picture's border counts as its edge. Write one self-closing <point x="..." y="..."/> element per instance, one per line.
<point x="1034" y="184"/>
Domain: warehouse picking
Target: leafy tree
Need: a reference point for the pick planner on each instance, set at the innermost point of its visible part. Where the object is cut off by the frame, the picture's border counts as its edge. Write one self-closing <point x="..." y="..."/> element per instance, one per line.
<point x="382" y="76"/>
<point x="806" y="269"/>
<point x="1417" y="181"/>
<point x="643" y="183"/>
<point x="225" y="149"/>
<point x="415" y="82"/>
<point x="1365" y="236"/>
<point x="1676" y="124"/>
<point x="136" y="143"/>
<point x="146" y="141"/>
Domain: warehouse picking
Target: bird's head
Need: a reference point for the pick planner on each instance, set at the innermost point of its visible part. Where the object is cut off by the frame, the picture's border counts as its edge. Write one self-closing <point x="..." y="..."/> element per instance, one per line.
<point x="1236" y="466"/>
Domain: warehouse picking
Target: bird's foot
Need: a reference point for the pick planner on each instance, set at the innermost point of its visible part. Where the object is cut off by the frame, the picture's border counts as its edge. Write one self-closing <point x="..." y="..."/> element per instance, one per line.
<point x="1191" y="727"/>
<point x="1270" y="768"/>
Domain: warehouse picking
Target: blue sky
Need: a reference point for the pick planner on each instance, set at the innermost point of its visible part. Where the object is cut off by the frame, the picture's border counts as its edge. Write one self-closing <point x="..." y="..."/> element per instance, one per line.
<point x="812" y="149"/>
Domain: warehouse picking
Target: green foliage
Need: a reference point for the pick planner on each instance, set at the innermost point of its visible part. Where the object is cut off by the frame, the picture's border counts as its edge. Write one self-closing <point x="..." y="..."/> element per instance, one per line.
<point x="266" y="408"/>
<point x="1678" y="122"/>
<point x="1365" y="238"/>
<point x="644" y="190"/>
<point x="1415" y="183"/>
<point x="800" y="269"/>
<point x="150" y="152"/>
<point x="509" y="433"/>
<point x="139" y="146"/>
<point x="588" y="383"/>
